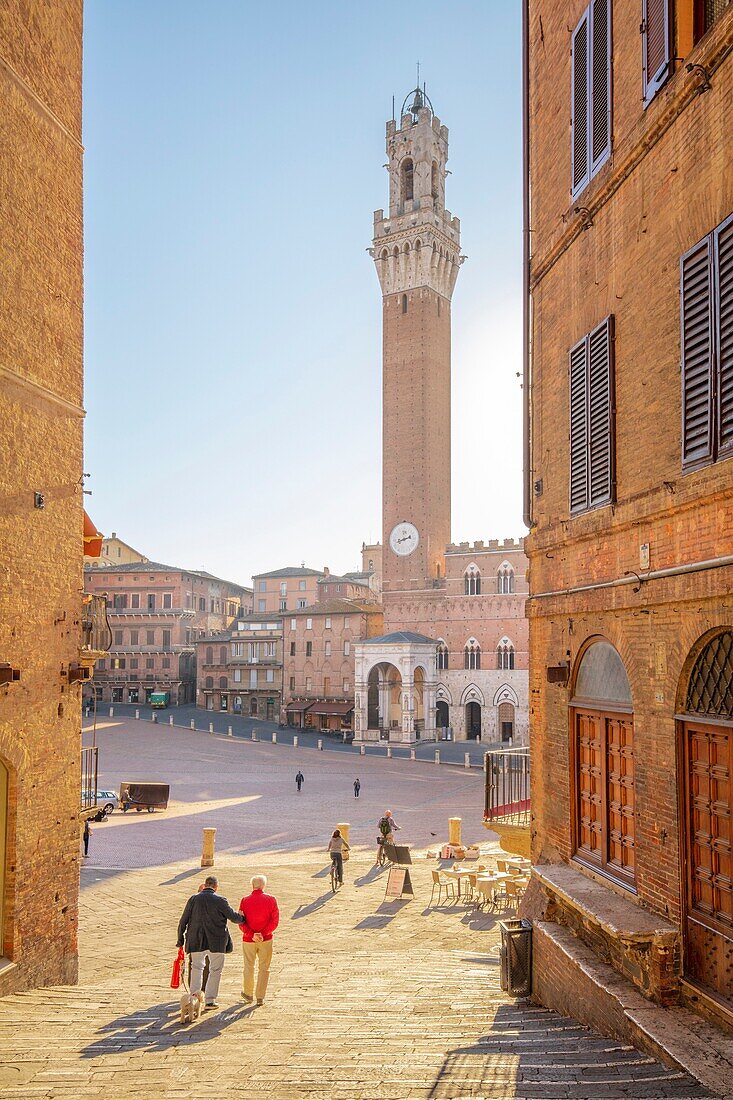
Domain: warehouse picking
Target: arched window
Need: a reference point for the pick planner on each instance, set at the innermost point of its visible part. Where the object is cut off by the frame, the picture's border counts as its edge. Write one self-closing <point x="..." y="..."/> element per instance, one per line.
<point x="602" y="724"/>
<point x="505" y="579"/>
<point x="434" y="185"/>
<point x="222" y="683"/>
<point x="404" y="303"/>
<point x="209" y="682"/>
<point x="472" y="581"/>
<point x="385" y="254"/>
<point x="505" y="654"/>
<point x="441" y="653"/>
<point x="472" y="654"/>
<point x="209" y="655"/>
<point x="371" y="563"/>
<point x="223" y="655"/>
<point x="407" y="174"/>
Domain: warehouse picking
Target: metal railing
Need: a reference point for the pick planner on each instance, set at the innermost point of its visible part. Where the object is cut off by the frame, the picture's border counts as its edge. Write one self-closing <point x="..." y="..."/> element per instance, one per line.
<point x="507" y="776"/>
<point x="96" y="636"/>
<point x="89" y="765"/>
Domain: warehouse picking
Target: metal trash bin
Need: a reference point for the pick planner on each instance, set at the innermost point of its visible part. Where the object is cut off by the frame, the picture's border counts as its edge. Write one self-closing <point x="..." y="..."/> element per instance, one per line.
<point x="516" y="957"/>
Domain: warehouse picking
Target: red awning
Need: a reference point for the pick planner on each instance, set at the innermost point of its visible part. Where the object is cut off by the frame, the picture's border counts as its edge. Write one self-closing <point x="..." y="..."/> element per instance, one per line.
<point x="92" y="539"/>
<point x="331" y="708"/>
<point x="298" y="707"/>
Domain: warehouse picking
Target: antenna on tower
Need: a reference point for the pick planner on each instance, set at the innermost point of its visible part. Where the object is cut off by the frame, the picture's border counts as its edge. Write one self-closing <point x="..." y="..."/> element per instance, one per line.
<point x="418" y="75"/>
<point x="393" y="108"/>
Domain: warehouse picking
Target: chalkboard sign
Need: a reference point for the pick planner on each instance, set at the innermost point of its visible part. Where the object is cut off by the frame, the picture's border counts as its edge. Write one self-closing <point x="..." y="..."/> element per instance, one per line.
<point x="398" y="883"/>
<point x="398" y="853"/>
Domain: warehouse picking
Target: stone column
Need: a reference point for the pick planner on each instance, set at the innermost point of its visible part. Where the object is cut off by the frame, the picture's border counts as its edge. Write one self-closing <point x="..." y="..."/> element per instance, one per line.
<point x="408" y="710"/>
<point x="454" y="830"/>
<point x="207" y="850"/>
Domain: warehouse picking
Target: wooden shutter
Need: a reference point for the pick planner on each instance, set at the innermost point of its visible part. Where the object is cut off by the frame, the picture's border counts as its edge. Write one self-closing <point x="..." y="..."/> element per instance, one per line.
<point x="600" y="414"/>
<point x="697" y="348"/>
<point x="656" y="46"/>
<point x="579" y="426"/>
<point x="723" y="252"/>
<point x="580" y="95"/>
<point x="600" y="82"/>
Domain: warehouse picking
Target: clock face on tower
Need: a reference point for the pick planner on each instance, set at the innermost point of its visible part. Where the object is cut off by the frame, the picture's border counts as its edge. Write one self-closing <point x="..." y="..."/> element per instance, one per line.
<point x="404" y="539"/>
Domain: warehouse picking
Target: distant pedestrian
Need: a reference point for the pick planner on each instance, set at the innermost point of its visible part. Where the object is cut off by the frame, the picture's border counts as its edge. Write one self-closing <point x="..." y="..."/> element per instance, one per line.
<point x="261" y="918"/>
<point x="87" y="834"/>
<point x="204" y="926"/>
<point x="299" y="780"/>
<point x="357" y="787"/>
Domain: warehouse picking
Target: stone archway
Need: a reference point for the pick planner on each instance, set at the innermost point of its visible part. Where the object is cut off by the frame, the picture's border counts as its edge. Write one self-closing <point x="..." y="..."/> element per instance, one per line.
<point x="442" y="716"/>
<point x="384" y="688"/>
<point x="473" y="720"/>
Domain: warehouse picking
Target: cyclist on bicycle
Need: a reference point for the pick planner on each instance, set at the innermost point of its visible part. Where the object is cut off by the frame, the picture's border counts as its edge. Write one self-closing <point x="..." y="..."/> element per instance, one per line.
<point x="337" y="845"/>
<point x="387" y="827"/>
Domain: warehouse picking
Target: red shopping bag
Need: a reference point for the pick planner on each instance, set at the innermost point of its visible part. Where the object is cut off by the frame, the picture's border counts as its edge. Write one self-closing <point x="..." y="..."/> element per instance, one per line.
<point x="177" y="969"/>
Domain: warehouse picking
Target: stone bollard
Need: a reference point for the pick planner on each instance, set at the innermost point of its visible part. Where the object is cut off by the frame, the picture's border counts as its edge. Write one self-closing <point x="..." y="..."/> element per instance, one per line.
<point x="389" y="752"/>
<point x="153" y="716"/>
<point x="437" y="756"/>
<point x="211" y="727"/>
<point x="86" y="712"/>
<point x="111" y="712"/>
<point x="295" y="741"/>
<point x="137" y="715"/>
<point x="413" y="754"/>
<point x="254" y="735"/>
<point x="320" y="744"/>
<point x="454" y="830"/>
<point x="170" y="720"/>
<point x="274" y="737"/>
<point x="230" y="732"/>
<point x="362" y="750"/>
<point x="207" y="848"/>
<point x="193" y="723"/>
<point x="343" y="827"/>
<point x="467" y="760"/>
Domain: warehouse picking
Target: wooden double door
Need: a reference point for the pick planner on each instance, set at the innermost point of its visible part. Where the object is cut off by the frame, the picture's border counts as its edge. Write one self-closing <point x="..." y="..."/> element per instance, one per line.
<point x="707" y="752"/>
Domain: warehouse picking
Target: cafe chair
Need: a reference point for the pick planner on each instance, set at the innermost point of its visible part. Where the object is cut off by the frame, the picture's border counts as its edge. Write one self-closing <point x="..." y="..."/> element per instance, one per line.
<point x="441" y="884"/>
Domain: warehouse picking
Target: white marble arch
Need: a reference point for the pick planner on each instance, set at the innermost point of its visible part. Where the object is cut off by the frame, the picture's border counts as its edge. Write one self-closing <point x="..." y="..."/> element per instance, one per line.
<point x="472" y="694"/>
<point x="506" y="694"/>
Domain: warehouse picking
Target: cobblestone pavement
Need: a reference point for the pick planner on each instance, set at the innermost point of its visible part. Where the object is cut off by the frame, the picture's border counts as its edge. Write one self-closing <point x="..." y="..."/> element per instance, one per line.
<point x="451" y="752"/>
<point x="368" y="999"/>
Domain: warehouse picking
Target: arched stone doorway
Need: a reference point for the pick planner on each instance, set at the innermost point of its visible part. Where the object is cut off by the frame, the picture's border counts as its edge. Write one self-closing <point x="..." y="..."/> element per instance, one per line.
<point x="441" y="714"/>
<point x="385" y="698"/>
<point x="706" y="754"/>
<point x="506" y="722"/>
<point x="253" y="707"/>
<point x="473" y="720"/>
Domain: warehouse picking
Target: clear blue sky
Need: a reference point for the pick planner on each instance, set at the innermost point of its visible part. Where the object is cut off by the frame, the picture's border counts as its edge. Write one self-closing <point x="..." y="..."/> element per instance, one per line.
<point x="233" y="162"/>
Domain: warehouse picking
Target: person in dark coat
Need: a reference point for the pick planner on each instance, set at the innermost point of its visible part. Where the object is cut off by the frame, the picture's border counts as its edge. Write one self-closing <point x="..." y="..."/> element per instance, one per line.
<point x="203" y="930"/>
<point x="87" y="834"/>
<point x="299" y="780"/>
<point x="357" y="787"/>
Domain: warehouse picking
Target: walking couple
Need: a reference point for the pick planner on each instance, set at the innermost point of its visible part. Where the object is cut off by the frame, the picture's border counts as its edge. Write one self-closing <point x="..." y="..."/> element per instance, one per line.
<point x="203" y="929"/>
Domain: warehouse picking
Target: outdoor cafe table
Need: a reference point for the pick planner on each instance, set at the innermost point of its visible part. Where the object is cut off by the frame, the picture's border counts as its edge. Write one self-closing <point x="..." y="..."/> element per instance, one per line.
<point x="459" y="873"/>
<point x="486" y="883"/>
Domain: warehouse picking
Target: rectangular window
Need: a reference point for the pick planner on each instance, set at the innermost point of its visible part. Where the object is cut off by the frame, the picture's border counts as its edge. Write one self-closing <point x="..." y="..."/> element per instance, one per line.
<point x="149" y="662"/>
<point x="237" y="649"/>
<point x="253" y="677"/>
<point x="166" y="662"/>
<point x="302" y="604"/>
<point x="292" y="683"/>
<point x="117" y="662"/>
<point x="592" y="472"/>
<point x="151" y="601"/>
<point x="308" y="624"/>
<point x="133" y="662"/>
<point x="134" y="637"/>
<point x="308" y="683"/>
<point x="283" y="588"/>
<point x="211" y="605"/>
<point x="347" y="622"/>
<point x="119" y="601"/>
<point x="101" y="665"/>
<point x="262" y="605"/>
<point x="283" y="605"/>
<point x="346" y="687"/>
<point x="656" y="45"/>
<point x="149" y="637"/>
<point x="293" y="624"/>
<point x="328" y="622"/>
<point x="292" y="649"/>
<point x="118" y="637"/>
<point x="706" y="291"/>
<point x="269" y="649"/>
<point x="347" y="648"/>
<point x="237" y="675"/>
<point x="590" y="99"/>
<point x="202" y="603"/>
<point x="326" y="685"/>
<point x="167" y="600"/>
<point x="135" y="600"/>
<point x="301" y="586"/>
<point x="263" y="586"/>
<point x="309" y="649"/>
<point x="327" y="648"/>
<point x="270" y="677"/>
<point x="166" y="639"/>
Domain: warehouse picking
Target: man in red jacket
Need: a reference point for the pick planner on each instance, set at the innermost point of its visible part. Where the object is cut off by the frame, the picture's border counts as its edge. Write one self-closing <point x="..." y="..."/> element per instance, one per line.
<point x="261" y="918"/>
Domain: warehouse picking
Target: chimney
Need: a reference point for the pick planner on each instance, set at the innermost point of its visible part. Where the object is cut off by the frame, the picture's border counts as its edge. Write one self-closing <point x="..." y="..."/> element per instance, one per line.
<point x="326" y="571"/>
<point x="114" y="534"/>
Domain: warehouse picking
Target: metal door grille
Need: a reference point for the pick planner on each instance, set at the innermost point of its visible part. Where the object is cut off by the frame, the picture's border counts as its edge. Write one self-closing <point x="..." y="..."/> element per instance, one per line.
<point x="710" y="690"/>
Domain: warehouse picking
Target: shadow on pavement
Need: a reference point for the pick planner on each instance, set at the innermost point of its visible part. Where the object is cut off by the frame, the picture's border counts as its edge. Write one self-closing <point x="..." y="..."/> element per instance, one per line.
<point x="158" y="1028"/>
<point x="386" y="912"/>
<point x="312" y="907"/>
<point x="372" y="874"/>
<point x="181" y="876"/>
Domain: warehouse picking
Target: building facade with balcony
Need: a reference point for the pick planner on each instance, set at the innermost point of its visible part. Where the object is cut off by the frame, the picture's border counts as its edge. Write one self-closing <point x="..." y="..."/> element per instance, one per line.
<point x="240" y="670"/>
<point x="156" y="614"/>
<point x="318" y="661"/>
<point x="629" y="494"/>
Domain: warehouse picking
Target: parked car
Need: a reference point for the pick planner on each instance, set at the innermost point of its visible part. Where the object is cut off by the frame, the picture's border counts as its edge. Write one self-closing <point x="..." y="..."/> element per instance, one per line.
<point x="107" y="801"/>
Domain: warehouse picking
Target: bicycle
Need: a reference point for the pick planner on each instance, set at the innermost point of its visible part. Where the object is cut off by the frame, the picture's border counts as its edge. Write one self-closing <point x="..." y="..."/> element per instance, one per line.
<point x="381" y="851"/>
<point x="334" y="875"/>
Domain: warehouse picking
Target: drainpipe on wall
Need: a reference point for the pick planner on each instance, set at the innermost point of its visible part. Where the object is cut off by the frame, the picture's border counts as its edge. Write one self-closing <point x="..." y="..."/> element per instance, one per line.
<point x="526" y="301"/>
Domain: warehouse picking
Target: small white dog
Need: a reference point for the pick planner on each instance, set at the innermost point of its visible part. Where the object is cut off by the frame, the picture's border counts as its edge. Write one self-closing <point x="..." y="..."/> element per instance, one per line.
<point x="191" y="1007"/>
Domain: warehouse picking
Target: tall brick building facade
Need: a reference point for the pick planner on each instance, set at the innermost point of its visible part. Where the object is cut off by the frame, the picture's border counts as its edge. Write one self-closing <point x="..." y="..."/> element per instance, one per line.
<point x="454" y="654"/>
<point x="630" y="497"/>
<point x="41" y="530"/>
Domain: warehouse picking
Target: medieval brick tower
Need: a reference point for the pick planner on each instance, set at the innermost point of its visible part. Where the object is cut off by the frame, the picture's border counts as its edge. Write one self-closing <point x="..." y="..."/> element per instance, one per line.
<point x="417" y="254"/>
